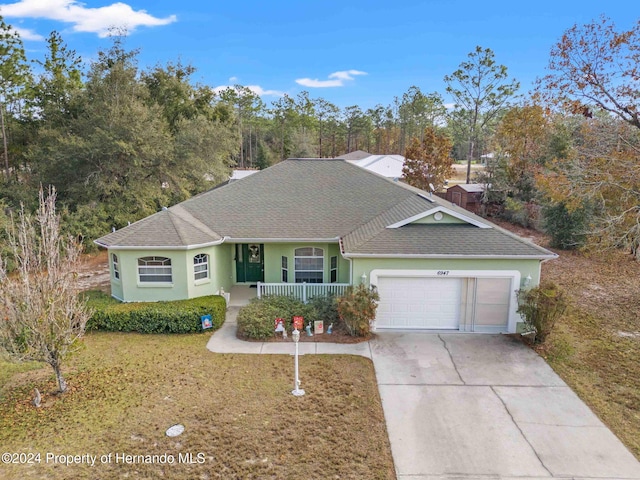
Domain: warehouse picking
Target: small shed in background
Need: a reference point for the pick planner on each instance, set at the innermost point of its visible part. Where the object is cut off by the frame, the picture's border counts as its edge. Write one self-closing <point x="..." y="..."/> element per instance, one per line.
<point x="466" y="195"/>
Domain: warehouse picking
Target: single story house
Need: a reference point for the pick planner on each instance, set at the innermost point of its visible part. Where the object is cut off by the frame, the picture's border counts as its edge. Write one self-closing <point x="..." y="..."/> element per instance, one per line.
<point x="466" y="195"/>
<point x="310" y="226"/>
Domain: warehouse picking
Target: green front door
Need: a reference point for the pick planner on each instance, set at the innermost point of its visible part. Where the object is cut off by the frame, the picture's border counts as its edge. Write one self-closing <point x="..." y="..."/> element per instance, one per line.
<point x="250" y="262"/>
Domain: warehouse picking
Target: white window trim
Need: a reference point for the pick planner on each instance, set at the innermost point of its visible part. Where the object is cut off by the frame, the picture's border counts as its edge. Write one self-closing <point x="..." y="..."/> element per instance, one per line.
<point x="315" y="257"/>
<point x="206" y="278"/>
<point x="116" y="267"/>
<point x="332" y="269"/>
<point x="284" y="269"/>
<point x="142" y="283"/>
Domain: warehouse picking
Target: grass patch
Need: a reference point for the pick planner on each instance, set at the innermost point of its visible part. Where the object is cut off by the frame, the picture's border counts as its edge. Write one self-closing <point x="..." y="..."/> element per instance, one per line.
<point x="596" y="345"/>
<point x="127" y="389"/>
<point x="8" y="369"/>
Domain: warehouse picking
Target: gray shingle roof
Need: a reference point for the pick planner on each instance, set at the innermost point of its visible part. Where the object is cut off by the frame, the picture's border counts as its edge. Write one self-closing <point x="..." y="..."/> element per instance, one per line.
<point x="356" y="155"/>
<point x="444" y="240"/>
<point x="314" y="199"/>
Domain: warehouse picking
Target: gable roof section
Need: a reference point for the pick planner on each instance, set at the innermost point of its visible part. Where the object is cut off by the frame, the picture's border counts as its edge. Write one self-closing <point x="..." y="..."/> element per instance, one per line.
<point x="470" y="187"/>
<point x="439" y="208"/>
<point x="356" y="155"/>
<point x="392" y="234"/>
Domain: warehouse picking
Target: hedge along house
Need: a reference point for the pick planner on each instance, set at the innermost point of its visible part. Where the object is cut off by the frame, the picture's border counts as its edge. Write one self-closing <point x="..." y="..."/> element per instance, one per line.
<point x="311" y="226"/>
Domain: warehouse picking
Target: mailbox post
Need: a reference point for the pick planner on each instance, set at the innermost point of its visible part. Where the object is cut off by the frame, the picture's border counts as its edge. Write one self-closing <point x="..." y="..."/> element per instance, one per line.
<point x="297" y="391"/>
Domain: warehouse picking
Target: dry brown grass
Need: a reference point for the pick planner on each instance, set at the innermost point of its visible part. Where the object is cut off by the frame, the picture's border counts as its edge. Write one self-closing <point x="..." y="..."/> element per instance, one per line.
<point x="127" y="389"/>
<point x="460" y="172"/>
<point x="596" y="345"/>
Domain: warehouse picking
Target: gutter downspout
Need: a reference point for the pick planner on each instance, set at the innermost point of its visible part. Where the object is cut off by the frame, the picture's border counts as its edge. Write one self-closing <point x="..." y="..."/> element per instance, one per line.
<point x="348" y="258"/>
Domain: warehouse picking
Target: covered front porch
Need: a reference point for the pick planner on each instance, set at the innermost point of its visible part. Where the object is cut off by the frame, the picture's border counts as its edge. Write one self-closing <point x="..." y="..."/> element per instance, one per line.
<point x="302" y="291"/>
<point x="241" y="295"/>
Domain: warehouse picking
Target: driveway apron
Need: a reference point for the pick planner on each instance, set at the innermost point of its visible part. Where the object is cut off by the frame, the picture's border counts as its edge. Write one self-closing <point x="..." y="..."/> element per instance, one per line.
<point x="467" y="406"/>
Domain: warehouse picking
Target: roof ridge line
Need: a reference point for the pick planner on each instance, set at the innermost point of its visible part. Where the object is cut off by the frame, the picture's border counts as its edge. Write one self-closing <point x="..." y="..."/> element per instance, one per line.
<point x="184" y="215"/>
<point x="364" y="225"/>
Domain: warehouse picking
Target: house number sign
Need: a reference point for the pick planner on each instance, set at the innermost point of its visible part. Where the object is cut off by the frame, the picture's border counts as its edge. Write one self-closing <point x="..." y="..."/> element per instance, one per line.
<point x="443" y="272"/>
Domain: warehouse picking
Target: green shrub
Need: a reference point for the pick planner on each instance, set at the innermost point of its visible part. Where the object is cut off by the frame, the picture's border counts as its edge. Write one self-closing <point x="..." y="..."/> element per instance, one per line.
<point x="256" y="320"/>
<point x="325" y="308"/>
<point x="181" y="316"/>
<point x="99" y="299"/>
<point x="566" y="228"/>
<point x="525" y="214"/>
<point x="541" y="307"/>
<point x="357" y="309"/>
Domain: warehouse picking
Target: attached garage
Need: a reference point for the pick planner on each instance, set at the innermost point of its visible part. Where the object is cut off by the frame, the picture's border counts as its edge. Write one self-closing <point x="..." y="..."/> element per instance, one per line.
<point x="419" y="302"/>
<point x="470" y="301"/>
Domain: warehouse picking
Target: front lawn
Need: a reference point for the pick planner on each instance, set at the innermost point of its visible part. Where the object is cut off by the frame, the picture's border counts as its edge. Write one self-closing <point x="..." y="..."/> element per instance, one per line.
<point x="240" y="418"/>
<point x="596" y="345"/>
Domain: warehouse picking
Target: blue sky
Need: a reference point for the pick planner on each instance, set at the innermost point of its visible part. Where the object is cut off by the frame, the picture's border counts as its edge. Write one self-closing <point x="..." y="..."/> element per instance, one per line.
<point x="348" y="52"/>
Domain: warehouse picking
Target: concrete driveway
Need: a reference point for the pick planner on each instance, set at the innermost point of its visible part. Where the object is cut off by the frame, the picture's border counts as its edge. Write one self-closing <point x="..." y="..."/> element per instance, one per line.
<point x="461" y="406"/>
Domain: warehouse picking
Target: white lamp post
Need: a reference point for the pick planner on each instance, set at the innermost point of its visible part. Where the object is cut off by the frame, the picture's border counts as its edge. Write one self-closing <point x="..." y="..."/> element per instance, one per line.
<point x="297" y="391"/>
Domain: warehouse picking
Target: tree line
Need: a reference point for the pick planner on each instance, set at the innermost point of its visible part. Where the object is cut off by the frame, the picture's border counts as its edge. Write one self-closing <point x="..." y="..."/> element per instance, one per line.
<point x="119" y="142"/>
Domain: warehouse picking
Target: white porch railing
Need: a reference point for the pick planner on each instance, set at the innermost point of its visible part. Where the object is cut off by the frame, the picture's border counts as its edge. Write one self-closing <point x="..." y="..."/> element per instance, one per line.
<point x="303" y="291"/>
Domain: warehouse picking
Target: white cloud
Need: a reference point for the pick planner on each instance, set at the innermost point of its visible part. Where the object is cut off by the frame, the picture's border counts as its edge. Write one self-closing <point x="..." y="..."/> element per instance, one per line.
<point x="26" y="34"/>
<point x="92" y="20"/>
<point x="233" y="79"/>
<point x="336" y="79"/>
<point x="257" y="89"/>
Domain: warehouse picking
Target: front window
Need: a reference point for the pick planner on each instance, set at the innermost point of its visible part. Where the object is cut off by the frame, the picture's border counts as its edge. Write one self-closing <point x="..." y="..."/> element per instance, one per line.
<point x="334" y="269"/>
<point x="201" y="266"/>
<point x="309" y="265"/>
<point x="116" y="268"/>
<point x="155" y="270"/>
<point x="285" y="269"/>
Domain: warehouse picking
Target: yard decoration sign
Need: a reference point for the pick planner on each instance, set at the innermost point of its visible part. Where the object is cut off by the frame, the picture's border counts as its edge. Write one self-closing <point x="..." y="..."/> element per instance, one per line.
<point x="298" y="322"/>
<point x="279" y="324"/>
<point x="318" y="327"/>
<point x="206" y="322"/>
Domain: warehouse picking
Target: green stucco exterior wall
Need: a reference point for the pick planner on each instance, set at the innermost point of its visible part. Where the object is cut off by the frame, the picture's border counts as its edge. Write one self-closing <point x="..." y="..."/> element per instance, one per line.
<point x="445" y="219"/>
<point x="184" y="285"/>
<point x="526" y="267"/>
<point x="273" y="253"/>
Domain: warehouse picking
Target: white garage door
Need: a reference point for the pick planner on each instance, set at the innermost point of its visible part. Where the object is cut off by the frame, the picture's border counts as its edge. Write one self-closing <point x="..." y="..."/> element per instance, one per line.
<point x="419" y="302"/>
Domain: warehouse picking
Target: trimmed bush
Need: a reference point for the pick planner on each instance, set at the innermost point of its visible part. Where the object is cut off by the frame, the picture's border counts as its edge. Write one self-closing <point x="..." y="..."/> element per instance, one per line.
<point x="181" y="316"/>
<point x="357" y="309"/>
<point x="325" y="308"/>
<point x="256" y="320"/>
<point x="541" y="307"/>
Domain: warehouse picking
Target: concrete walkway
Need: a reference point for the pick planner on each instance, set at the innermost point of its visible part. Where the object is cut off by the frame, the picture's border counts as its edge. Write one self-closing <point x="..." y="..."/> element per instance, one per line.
<point x="225" y="341"/>
<point x="466" y="406"/>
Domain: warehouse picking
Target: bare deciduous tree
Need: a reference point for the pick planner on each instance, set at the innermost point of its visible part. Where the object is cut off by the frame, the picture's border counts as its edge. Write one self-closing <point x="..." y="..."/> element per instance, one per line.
<point x="41" y="315"/>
